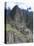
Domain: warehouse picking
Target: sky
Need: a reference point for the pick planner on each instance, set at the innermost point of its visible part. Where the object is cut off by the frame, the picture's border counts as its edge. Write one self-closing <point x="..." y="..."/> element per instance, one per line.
<point x="23" y="4"/>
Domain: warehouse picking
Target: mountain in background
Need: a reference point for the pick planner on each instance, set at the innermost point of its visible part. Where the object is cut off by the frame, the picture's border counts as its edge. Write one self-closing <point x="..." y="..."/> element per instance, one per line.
<point x="19" y="15"/>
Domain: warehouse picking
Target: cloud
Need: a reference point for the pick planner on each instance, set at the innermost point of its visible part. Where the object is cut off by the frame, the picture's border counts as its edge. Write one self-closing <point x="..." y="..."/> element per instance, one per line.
<point x="28" y="3"/>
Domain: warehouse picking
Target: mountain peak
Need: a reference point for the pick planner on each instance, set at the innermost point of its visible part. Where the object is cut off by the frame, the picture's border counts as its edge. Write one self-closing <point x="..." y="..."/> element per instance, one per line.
<point x="16" y="6"/>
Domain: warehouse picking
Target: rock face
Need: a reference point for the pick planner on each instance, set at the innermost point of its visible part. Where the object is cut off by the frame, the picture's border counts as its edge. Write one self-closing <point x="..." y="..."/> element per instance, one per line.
<point x="17" y="20"/>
